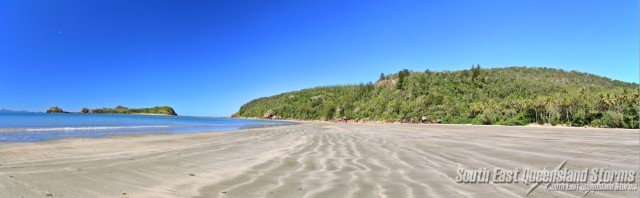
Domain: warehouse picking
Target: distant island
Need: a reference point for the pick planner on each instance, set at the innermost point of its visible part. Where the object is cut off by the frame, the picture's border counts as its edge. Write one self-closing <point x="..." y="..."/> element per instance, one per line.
<point x="55" y="109"/>
<point x="497" y="96"/>
<point x="12" y="111"/>
<point x="158" y="110"/>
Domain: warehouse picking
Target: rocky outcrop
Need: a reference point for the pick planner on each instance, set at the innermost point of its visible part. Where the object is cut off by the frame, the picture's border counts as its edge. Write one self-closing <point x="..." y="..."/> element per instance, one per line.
<point x="318" y="97"/>
<point x="426" y="120"/>
<point x="86" y="110"/>
<point x="386" y="83"/>
<point x="268" y="114"/>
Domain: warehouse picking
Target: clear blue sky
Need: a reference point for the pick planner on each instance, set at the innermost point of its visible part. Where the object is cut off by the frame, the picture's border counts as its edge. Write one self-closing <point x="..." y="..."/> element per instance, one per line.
<point x="210" y="57"/>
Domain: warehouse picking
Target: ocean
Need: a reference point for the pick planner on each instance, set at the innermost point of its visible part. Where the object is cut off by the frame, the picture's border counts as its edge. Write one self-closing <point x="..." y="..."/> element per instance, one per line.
<point x="34" y="127"/>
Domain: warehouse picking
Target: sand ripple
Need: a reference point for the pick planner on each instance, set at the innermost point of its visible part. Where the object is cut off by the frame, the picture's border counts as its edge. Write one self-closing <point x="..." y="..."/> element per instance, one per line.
<point x="308" y="160"/>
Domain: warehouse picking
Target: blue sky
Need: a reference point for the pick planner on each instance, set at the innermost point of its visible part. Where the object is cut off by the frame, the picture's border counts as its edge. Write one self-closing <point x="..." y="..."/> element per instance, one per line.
<point x="209" y="57"/>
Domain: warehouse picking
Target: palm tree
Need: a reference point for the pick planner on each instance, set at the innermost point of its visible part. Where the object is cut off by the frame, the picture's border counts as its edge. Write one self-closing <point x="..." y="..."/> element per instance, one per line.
<point x="476" y="108"/>
<point x="582" y="93"/>
<point x="538" y="107"/>
<point x="565" y="105"/>
<point x="612" y="101"/>
<point x="626" y="97"/>
<point x="551" y="108"/>
<point x="602" y="103"/>
<point x="606" y="102"/>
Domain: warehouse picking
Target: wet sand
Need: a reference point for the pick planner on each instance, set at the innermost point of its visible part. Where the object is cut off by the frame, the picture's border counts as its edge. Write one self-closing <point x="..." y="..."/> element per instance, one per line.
<point x="310" y="159"/>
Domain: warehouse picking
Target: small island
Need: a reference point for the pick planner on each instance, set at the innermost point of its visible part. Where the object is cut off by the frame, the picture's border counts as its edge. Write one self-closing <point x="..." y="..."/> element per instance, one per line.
<point x="158" y="110"/>
<point x="55" y="109"/>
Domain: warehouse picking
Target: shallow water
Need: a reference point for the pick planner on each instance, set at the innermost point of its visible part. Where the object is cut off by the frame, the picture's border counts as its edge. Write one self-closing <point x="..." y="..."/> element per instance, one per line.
<point x="33" y="127"/>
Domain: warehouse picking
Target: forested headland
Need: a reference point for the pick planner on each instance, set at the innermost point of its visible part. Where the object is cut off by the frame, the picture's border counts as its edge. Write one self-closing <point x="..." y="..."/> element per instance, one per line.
<point x="496" y="96"/>
<point x="160" y="110"/>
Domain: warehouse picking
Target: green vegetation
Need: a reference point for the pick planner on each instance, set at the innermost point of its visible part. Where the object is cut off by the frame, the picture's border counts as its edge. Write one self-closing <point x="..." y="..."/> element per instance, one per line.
<point x="85" y="110"/>
<point x="164" y="110"/>
<point x="55" y="109"/>
<point x="502" y="96"/>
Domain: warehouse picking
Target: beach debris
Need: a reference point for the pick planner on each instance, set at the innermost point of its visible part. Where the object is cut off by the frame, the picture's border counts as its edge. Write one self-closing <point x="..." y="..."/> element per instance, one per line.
<point x="343" y="119"/>
<point x="191" y="174"/>
<point x="225" y="192"/>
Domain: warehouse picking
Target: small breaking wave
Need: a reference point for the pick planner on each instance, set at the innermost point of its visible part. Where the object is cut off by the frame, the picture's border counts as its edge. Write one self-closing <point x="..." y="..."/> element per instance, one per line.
<point x="89" y="128"/>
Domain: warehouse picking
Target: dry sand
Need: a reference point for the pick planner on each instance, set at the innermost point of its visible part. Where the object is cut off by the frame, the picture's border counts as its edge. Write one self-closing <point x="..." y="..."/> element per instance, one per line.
<point x="309" y="160"/>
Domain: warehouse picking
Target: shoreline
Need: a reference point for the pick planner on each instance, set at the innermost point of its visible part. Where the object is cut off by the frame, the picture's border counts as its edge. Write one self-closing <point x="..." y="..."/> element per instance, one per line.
<point x="42" y="127"/>
<point x="533" y="125"/>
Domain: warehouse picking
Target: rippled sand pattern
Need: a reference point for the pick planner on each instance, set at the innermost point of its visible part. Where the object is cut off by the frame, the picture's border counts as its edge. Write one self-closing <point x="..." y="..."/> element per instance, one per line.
<point x="310" y="160"/>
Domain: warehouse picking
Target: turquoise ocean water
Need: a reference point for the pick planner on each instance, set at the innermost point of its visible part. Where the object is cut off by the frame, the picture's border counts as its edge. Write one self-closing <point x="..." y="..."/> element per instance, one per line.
<point x="33" y="127"/>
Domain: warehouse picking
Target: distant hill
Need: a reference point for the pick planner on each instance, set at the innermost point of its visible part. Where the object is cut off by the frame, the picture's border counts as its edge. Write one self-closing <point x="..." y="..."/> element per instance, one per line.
<point x="505" y="96"/>
<point x="8" y="110"/>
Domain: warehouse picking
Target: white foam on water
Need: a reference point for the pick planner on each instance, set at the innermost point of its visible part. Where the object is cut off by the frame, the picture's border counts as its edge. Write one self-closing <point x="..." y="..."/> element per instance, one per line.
<point x="89" y="128"/>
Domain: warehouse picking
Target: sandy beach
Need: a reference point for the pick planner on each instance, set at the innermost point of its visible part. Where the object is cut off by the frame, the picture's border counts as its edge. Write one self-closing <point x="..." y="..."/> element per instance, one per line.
<point x="310" y="159"/>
